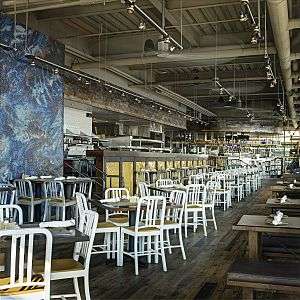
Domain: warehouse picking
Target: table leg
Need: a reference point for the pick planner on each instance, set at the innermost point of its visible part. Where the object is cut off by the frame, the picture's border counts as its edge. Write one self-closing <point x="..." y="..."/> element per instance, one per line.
<point x="254" y="244"/>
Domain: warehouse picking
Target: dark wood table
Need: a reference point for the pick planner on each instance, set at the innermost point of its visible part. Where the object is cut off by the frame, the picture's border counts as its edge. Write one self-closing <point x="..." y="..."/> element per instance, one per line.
<point x="280" y="190"/>
<point x="256" y="225"/>
<point x="291" y="207"/>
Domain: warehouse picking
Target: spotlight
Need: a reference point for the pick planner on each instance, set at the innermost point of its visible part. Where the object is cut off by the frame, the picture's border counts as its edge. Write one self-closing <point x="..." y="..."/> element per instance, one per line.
<point x="243" y="17"/>
<point x="130" y="9"/>
<point x="152" y="105"/>
<point x="266" y="55"/>
<point x="79" y="78"/>
<point x="172" y="48"/>
<point x="169" y="111"/>
<point x="142" y="25"/>
<point x="87" y="83"/>
<point x="221" y="91"/>
<point x="56" y="71"/>
<point x="254" y="40"/>
<point x="272" y="84"/>
<point x="268" y="67"/>
<point x="32" y="63"/>
<point x="123" y="94"/>
<point x="110" y="91"/>
<point x="231" y="98"/>
<point x="160" y="108"/>
<point x="298" y="78"/>
<point x="256" y="29"/>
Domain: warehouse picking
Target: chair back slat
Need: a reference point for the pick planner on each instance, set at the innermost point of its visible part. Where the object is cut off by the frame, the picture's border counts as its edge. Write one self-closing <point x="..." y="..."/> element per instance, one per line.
<point x="88" y="224"/>
<point x="10" y="212"/>
<point x="84" y="187"/>
<point x="177" y="198"/>
<point x="116" y="193"/>
<point x="195" y="193"/>
<point x="150" y="212"/>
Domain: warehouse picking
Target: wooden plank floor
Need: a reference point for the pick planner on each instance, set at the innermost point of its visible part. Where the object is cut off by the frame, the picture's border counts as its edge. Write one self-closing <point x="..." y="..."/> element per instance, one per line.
<point x="201" y="276"/>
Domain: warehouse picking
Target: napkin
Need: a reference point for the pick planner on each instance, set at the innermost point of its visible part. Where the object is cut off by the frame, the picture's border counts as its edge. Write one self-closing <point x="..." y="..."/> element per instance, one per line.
<point x="277" y="218"/>
<point x="283" y="199"/>
<point x="55" y="224"/>
<point x="59" y="178"/>
<point x="46" y="177"/>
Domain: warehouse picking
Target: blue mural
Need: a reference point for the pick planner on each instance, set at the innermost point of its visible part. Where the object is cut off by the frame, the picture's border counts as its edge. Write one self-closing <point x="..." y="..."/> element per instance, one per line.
<point x="31" y="105"/>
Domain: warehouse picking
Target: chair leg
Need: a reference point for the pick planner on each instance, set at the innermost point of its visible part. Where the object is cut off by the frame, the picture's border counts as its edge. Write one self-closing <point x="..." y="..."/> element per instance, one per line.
<point x="45" y="211"/>
<point x="185" y="223"/>
<point x="168" y="241"/>
<point x="181" y="243"/>
<point x="195" y="216"/>
<point x="156" y="249"/>
<point x="214" y="219"/>
<point x="87" y="287"/>
<point x="162" y="251"/>
<point x="108" y="245"/>
<point x="113" y="246"/>
<point x="63" y="213"/>
<point x="136" y="261"/>
<point x="121" y="248"/>
<point x="31" y="212"/>
<point x="204" y="222"/>
<point x="118" y="242"/>
<point x="149" y="249"/>
<point x="76" y="288"/>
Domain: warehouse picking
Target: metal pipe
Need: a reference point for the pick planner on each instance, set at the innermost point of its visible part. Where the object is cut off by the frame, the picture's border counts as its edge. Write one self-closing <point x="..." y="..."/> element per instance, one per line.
<point x="153" y="23"/>
<point x="6" y="47"/>
<point x="278" y="12"/>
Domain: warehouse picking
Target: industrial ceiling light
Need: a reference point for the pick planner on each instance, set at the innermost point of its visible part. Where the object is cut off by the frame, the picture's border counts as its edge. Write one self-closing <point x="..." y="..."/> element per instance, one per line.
<point x="130" y="9"/>
<point x="243" y="17"/>
<point x="142" y="25"/>
<point x="56" y="71"/>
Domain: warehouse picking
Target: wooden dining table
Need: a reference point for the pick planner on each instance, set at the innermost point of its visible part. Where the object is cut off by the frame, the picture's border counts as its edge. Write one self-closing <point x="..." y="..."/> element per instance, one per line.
<point x="167" y="190"/>
<point x="290" y="207"/>
<point x="280" y="190"/>
<point x="255" y="225"/>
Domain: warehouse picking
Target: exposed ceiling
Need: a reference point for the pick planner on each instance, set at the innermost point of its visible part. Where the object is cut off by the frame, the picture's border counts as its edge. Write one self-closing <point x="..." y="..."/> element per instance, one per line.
<point x="101" y="37"/>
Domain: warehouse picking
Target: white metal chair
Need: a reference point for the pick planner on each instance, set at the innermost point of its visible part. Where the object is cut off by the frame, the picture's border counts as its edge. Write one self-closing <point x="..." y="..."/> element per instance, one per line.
<point x="7" y="197"/>
<point x="150" y="215"/>
<point x="85" y="187"/>
<point x="164" y="182"/>
<point x="111" y="244"/>
<point x="115" y="195"/>
<point x="11" y="212"/>
<point x="72" y="268"/>
<point x="55" y="197"/>
<point x="25" y="196"/>
<point x="22" y="282"/>
<point x="173" y="220"/>
<point x="195" y="195"/>
<point x="223" y="191"/>
<point x="196" y="179"/>
<point x="143" y="189"/>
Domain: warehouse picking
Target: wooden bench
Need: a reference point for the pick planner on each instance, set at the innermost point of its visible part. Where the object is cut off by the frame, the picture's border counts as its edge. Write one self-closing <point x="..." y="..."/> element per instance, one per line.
<point x="266" y="276"/>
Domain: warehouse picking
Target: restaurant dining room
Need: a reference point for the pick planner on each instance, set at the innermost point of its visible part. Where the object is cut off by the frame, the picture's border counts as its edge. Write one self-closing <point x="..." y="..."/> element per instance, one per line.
<point x="150" y="149"/>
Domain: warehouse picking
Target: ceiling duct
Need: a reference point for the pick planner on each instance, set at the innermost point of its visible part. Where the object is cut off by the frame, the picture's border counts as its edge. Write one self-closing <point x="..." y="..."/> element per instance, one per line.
<point x="278" y="12"/>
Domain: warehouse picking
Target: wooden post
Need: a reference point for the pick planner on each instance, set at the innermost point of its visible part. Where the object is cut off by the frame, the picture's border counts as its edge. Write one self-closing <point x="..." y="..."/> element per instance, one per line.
<point x="254" y="244"/>
<point x="247" y="294"/>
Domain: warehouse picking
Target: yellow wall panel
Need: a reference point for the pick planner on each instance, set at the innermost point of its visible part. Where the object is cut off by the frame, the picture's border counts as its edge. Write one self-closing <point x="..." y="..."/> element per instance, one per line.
<point x="127" y="169"/>
<point x="112" y="168"/>
<point x="161" y="165"/>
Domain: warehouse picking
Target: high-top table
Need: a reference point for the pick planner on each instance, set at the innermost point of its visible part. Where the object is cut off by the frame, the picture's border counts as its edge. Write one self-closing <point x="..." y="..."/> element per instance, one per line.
<point x="255" y="225"/>
<point x="280" y="190"/>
